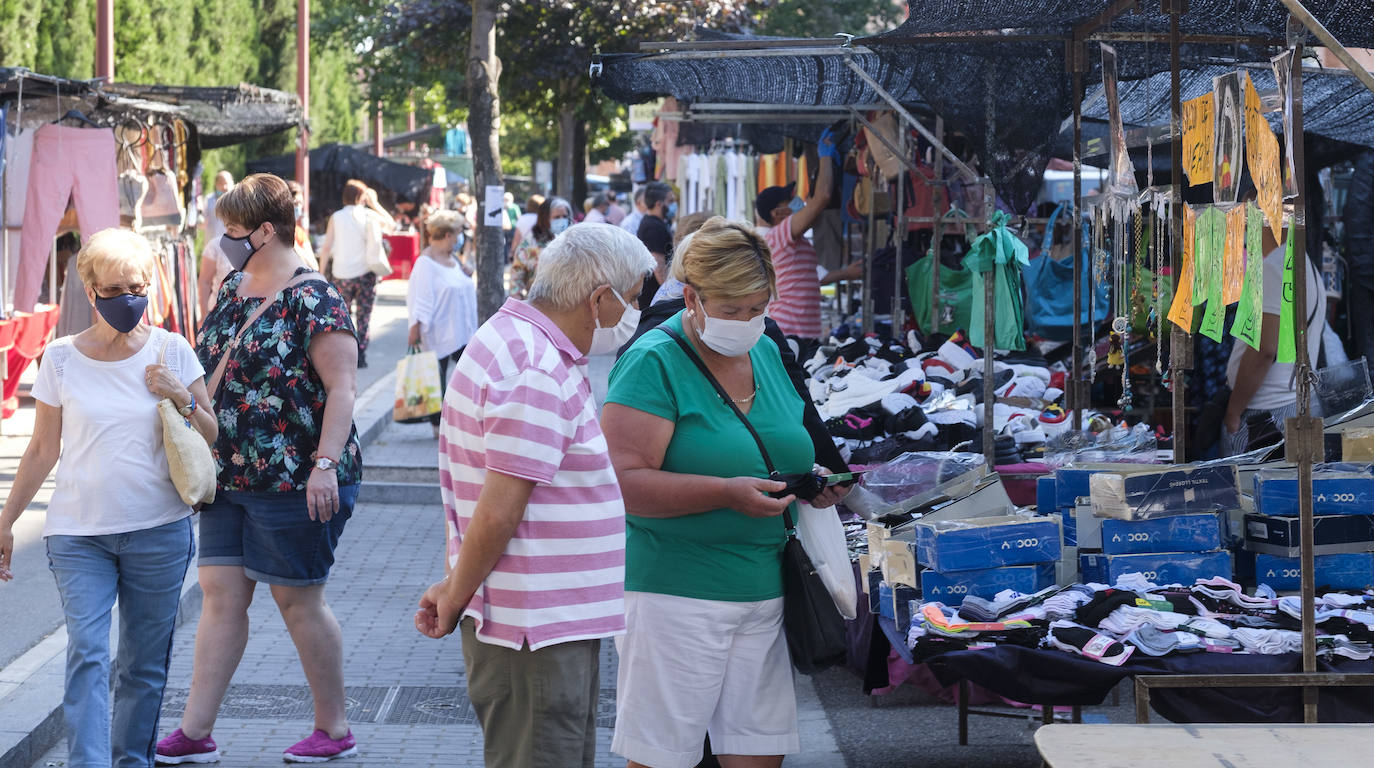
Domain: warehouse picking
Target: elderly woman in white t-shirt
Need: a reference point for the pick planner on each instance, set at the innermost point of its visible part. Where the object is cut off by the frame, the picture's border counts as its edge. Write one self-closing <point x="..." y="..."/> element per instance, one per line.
<point x="441" y="299"/>
<point x="116" y="527"/>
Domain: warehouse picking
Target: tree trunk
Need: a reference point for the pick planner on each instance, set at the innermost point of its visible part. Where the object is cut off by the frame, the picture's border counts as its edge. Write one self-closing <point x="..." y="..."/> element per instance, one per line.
<point x="567" y="150"/>
<point x="484" y="126"/>
<point x="579" y="185"/>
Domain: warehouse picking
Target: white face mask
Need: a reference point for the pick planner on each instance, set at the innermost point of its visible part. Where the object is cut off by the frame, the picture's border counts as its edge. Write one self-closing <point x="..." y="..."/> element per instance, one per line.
<point x="608" y="340"/>
<point x="730" y="338"/>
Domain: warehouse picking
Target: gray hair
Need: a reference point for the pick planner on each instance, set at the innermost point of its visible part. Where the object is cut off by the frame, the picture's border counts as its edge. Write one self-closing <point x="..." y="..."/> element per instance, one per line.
<point x="584" y="258"/>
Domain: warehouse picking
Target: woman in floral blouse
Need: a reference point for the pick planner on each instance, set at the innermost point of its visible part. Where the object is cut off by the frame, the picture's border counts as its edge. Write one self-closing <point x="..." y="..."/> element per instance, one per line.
<point x="555" y="216"/>
<point x="290" y="467"/>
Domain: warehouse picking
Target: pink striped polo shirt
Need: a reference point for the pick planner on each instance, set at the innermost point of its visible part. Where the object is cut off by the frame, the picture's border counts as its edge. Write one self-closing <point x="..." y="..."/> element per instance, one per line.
<point x="519" y="403"/>
<point x="797" y="310"/>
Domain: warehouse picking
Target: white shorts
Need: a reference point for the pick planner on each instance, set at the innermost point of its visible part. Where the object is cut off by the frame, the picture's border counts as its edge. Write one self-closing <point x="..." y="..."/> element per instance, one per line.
<point x="689" y="667"/>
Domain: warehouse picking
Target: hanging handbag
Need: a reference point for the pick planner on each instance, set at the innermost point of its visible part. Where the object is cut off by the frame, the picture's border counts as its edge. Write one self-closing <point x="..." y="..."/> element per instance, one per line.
<point x="810" y="620"/>
<point x="189" y="460"/>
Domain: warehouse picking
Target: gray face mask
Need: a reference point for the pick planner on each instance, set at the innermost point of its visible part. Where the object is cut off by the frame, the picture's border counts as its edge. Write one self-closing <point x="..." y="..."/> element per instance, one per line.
<point x="238" y="250"/>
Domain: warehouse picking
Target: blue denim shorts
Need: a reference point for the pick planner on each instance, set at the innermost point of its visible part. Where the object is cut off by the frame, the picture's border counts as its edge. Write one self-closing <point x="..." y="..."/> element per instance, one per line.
<point x="272" y="536"/>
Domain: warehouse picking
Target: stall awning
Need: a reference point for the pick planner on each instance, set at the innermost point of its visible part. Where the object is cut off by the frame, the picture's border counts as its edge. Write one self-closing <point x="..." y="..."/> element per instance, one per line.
<point x="334" y="164"/>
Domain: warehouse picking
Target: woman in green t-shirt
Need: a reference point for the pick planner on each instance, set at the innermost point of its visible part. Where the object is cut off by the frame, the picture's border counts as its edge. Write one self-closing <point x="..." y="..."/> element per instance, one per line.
<point x="704" y="649"/>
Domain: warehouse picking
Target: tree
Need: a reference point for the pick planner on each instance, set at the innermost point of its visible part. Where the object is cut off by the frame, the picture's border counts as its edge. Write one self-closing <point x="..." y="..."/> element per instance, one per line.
<point x="484" y="126"/>
<point x="807" y="18"/>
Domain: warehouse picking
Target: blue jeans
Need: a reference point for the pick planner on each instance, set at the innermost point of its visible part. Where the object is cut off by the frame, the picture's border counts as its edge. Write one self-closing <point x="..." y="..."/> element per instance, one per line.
<point x="144" y="570"/>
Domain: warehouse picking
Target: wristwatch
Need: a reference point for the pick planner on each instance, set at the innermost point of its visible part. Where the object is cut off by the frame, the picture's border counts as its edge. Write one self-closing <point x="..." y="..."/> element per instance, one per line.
<point x="325" y="463"/>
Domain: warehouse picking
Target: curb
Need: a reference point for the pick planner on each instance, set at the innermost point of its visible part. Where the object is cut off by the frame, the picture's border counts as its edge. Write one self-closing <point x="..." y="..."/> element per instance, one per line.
<point x="32" y="686"/>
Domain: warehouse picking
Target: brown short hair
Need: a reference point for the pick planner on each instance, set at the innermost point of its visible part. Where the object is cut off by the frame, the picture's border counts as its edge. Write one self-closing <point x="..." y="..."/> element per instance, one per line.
<point x="353" y="191"/>
<point x="259" y="199"/>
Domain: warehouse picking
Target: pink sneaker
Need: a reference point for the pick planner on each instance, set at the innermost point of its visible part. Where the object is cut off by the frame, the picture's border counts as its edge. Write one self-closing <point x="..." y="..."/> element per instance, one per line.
<point x="318" y="748"/>
<point x="178" y="748"/>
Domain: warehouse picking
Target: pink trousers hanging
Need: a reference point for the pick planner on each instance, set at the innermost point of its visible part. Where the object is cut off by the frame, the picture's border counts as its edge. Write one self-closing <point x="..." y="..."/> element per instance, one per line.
<point x="75" y="162"/>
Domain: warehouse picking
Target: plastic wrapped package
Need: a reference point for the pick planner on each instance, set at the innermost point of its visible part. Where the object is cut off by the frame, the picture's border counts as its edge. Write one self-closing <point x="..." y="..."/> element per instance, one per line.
<point x="1178" y="490"/>
<point x="1343" y="386"/>
<point x="1133" y="445"/>
<point x="912" y="478"/>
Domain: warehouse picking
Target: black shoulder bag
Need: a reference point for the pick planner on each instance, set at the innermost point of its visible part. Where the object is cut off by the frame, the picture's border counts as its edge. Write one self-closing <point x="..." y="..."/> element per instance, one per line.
<point x="814" y="628"/>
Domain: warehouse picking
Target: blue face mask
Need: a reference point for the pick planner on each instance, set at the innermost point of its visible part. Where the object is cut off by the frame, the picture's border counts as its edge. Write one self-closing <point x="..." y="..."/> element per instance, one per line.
<point x="122" y="312"/>
<point x="671" y="213"/>
<point x="559" y="226"/>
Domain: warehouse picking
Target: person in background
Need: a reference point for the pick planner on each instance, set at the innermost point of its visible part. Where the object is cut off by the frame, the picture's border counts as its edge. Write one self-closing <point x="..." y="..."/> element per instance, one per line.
<point x="344" y="250"/>
<point x="441" y="298"/>
<point x="597" y="206"/>
<point x="290" y="468"/>
<point x="303" y="247"/>
<point x="512" y="212"/>
<point x="614" y="213"/>
<point x="659" y="207"/>
<point x="1263" y="396"/>
<point x="535" y="521"/>
<point x="209" y="222"/>
<point x="555" y="216"/>
<point x="703" y="567"/>
<point x="525" y="223"/>
<point x="116" y="527"/>
<point x="631" y="222"/>
<point x="797" y="309"/>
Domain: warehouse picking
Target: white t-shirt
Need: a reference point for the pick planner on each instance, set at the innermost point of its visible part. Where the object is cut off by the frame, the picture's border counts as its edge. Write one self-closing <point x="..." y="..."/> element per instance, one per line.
<point x="112" y="476"/>
<point x="443" y="300"/>
<point x="1275" y="391"/>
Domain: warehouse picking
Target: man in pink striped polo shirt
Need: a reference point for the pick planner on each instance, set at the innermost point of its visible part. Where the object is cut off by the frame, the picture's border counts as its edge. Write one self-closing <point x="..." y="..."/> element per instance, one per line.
<point x="535" y="520"/>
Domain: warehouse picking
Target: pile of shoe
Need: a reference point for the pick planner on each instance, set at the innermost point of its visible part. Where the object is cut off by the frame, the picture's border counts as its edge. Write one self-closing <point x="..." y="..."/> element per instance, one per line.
<point x="882" y="397"/>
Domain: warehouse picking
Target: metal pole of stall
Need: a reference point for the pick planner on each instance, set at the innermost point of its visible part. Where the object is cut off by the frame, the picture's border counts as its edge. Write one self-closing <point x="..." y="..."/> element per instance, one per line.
<point x="1075" y="377"/>
<point x="870" y="243"/>
<point x="938" y="231"/>
<point x="1181" y="345"/>
<point x="1304" y="432"/>
<point x="989" y="277"/>
<point x="899" y="221"/>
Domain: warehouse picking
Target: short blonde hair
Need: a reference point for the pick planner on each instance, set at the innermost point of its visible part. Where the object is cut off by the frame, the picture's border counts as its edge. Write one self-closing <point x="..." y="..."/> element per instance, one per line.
<point x="444" y="223"/>
<point x="114" y="248"/>
<point x="725" y="260"/>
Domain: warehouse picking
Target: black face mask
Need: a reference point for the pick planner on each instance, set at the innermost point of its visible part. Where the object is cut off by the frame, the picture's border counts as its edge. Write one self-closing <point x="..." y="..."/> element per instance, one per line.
<point x="238" y="250"/>
<point x="122" y="312"/>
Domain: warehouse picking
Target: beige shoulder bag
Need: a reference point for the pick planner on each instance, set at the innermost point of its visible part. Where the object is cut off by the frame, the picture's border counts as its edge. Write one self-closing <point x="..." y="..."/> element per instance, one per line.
<point x="189" y="460"/>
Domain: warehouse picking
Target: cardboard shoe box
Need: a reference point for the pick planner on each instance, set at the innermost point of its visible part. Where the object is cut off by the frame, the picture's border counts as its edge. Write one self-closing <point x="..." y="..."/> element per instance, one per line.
<point x="987" y="542"/>
<point x="952" y="587"/>
<point x="1162" y="493"/>
<point x="1336" y="490"/>
<point x="1159" y="567"/>
<point x="1331" y="534"/>
<point x="1345" y="571"/>
<point x="1182" y="533"/>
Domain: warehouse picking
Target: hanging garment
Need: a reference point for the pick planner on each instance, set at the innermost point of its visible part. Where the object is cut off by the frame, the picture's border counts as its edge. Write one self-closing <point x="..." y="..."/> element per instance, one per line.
<point x="720" y="186"/>
<point x="75" y="313"/>
<point x="133" y="187"/>
<point x="18" y="156"/>
<point x="998" y="255"/>
<point x="76" y="162"/>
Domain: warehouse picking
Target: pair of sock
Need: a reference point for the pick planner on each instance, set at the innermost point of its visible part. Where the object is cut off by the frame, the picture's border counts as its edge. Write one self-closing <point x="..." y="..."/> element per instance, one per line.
<point x="1088" y="643"/>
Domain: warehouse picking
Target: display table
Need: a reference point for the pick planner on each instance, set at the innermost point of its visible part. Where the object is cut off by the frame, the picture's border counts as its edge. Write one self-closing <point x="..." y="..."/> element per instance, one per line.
<point x="405" y="248"/>
<point x="1203" y="746"/>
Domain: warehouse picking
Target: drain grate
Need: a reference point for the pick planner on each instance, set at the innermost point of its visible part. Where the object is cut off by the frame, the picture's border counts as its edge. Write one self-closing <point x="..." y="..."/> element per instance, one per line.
<point x="431" y="705"/>
<point x="447" y="705"/>
<point x="279" y="702"/>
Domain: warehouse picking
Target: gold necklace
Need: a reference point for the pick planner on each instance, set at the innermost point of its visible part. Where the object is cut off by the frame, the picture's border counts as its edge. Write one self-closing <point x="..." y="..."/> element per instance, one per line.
<point x="742" y="401"/>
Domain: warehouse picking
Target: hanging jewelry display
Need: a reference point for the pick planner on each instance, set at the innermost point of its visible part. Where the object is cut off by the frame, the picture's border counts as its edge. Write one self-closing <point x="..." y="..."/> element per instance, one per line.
<point x="1099" y="275"/>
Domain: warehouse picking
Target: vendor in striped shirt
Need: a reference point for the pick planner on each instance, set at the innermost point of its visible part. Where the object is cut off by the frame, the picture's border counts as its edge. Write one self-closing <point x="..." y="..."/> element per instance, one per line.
<point x="535" y="519"/>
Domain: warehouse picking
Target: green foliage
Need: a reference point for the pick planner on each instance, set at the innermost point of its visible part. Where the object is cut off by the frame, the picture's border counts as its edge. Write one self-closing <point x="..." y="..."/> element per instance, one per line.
<point x="808" y="18"/>
<point x="195" y="42"/>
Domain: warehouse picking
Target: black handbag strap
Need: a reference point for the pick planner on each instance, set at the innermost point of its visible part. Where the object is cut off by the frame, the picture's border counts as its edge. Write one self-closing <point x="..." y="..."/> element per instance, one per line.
<point x="729" y="403"/>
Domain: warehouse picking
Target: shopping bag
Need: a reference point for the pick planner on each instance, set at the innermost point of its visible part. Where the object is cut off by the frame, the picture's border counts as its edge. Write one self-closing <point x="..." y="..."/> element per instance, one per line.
<point x="823" y="536"/>
<point x="376" y="249"/>
<point x="417" y="388"/>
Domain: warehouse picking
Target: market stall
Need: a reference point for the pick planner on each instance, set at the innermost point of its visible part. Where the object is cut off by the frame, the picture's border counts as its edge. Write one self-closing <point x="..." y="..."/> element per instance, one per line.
<point x="124" y="155"/>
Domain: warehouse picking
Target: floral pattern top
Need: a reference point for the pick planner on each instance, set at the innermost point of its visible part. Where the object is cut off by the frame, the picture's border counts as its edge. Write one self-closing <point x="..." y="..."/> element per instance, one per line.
<point x="270" y="406"/>
<point x="523" y="264"/>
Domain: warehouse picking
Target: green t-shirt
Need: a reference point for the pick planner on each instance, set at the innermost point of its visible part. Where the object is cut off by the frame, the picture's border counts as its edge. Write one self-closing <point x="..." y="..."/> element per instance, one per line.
<point x="721" y="554"/>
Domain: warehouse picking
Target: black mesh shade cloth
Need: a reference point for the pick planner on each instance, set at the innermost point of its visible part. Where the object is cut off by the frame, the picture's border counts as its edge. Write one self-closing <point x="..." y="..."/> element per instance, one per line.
<point x="334" y="164"/>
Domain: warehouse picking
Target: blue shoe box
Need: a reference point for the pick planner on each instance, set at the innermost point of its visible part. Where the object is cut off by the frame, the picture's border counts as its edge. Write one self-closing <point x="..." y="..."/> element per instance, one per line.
<point x="1331" y="534"/>
<point x="894" y="602"/>
<point x="1348" y="571"/>
<point x="952" y="587"/>
<point x="1276" y="494"/>
<point x="1160" y="567"/>
<point x="1068" y="517"/>
<point x="1180" y="533"/>
<point x="1045" y="499"/>
<point x="988" y="542"/>
<point x="1069" y="484"/>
